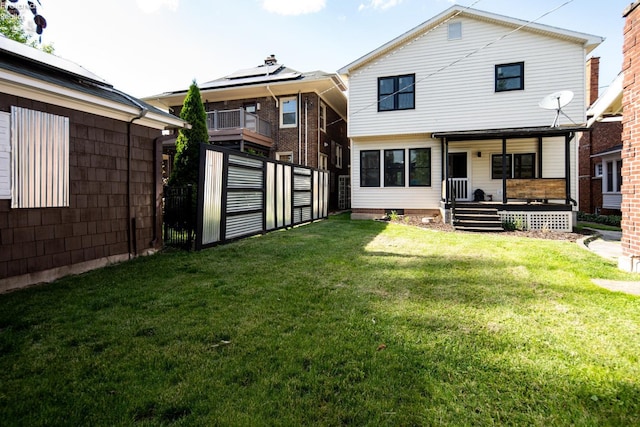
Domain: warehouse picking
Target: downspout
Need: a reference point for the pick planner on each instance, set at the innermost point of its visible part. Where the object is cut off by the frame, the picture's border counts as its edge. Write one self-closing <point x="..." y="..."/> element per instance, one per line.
<point x="275" y="98"/>
<point x="306" y="131"/>
<point x="131" y="221"/>
<point x="567" y="167"/>
<point x="299" y="107"/>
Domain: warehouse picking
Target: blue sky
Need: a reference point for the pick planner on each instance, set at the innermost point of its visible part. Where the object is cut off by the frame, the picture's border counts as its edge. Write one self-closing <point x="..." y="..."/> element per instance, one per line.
<point x="145" y="47"/>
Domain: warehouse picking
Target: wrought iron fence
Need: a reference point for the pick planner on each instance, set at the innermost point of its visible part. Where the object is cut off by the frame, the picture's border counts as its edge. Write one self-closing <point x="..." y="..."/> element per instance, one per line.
<point x="179" y="216"/>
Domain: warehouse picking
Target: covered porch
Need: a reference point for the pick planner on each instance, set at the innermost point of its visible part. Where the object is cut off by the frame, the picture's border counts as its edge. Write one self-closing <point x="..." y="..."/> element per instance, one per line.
<point x="524" y="175"/>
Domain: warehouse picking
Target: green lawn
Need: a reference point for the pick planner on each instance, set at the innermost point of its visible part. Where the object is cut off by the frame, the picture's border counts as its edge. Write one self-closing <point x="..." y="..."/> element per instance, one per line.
<point x="335" y="323"/>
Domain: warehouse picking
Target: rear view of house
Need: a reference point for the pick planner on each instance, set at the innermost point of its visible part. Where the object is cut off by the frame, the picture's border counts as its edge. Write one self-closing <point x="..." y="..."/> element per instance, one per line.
<point x="80" y="178"/>
<point x="449" y="113"/>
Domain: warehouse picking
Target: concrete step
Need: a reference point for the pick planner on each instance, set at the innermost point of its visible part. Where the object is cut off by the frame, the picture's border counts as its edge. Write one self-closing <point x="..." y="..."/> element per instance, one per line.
<point x="481" y="229"/>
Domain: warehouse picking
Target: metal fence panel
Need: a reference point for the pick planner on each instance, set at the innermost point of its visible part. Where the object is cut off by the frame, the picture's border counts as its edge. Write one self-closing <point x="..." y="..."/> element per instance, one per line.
<point x="244" y="195"/>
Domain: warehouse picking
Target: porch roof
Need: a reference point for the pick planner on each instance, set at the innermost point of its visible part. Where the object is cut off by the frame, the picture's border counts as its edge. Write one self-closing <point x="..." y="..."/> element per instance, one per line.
<point x="524" y="132"/>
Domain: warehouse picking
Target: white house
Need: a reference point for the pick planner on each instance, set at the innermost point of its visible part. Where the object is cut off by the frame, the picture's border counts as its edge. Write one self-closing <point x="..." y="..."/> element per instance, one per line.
<point x="456" y="101"/>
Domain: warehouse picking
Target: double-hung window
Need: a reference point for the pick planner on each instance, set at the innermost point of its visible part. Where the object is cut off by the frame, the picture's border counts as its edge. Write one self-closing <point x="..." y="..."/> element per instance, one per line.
<point x="396" y="93"/>
<point x="394" y="168"/>
<point x="509" y="77"/>
<point x="289" y="112"/>
<point x="323" y="117"/>
<point x="370" y="168"/>
<point x="420" y="167"/>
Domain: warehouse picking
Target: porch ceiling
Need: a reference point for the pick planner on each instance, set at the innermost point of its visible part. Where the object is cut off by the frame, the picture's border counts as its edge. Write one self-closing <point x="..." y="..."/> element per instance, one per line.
<point x="525" y="132"/>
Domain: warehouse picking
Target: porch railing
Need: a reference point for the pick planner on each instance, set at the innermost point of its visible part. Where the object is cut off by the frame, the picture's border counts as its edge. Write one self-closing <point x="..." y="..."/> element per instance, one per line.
<point x="459" y="188"/>
<point x="238" y="119"/>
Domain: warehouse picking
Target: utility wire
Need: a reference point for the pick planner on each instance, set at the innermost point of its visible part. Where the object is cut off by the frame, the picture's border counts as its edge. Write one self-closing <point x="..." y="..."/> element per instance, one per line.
<point x="462" y="58"/>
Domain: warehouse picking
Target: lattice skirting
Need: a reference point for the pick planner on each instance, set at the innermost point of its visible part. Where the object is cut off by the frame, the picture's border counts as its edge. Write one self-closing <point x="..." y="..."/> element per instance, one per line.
<point x="552" y="221"/>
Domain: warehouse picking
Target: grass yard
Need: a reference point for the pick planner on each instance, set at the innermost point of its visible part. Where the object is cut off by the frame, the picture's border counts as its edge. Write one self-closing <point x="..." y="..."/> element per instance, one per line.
<point x="335" y="323"/>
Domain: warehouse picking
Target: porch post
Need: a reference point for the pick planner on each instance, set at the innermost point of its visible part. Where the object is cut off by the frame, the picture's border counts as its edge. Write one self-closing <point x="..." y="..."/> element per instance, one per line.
<point x="567" y="166"/>
<point x="539" y="157"/>
<point x="504" y="171"/>
<point x="444" y="146"/>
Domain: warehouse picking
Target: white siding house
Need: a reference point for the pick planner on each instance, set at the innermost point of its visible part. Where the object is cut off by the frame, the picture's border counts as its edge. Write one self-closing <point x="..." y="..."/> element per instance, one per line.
<point x="465" y="87"/>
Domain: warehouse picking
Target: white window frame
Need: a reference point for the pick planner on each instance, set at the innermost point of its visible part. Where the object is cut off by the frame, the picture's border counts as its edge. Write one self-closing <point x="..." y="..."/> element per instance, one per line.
<point x="598" y="170"/>
<point x="614" y="175"/>
<point x="283" y="102"/>
<point x="322" y="117"/>
<point x="280" y="156"/>
<point x="339" y="156"/>
<point x="324" y="162"/>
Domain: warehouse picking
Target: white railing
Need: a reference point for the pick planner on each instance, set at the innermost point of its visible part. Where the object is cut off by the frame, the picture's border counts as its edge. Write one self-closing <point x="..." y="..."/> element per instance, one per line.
<point x="236" y="119"/>
<point x="459" y="188"/>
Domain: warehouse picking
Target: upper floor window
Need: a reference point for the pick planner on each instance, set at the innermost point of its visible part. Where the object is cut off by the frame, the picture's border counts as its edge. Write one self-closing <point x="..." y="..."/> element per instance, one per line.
<point x="339" y="156"/>
<point x="396" y="93"/>
<point x="510" y="77"/>
<point x="323" y="117"/>
<point x="598" y="171"/>
<point x="289" y="112"/>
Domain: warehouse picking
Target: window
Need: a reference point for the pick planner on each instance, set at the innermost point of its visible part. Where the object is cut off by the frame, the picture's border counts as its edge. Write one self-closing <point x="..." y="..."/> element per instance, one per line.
<point x="5" y="155"/>
<point x="339" y="156"/>
<point x="286" y="156"/>
<point x="324" y="162"/>
<point x="455" y="31"/>
<point x="394" y="168"/>
<point x="420" y="167"/>
<point x="288" y="112"/>
<point x="609" y="177"/>
<point x="510" y="77"/>
<point x="618" y="186"/>
<point x="323" y="117"/>
<point x="524" y="165"/>
<point x="496" y="166"/>
<point x="598" y="171"/>
<point x="396" y="93"/>
<point x="40" y="159"/>
<point x="370" y="168"/>
<point x="250" y="107"/>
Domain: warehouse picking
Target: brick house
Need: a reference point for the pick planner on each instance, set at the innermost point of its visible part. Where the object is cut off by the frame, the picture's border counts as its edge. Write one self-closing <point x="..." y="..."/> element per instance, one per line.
<point x="630" y="259"/>
<point x="277" y="112"/>
<point x="80" y="179"/>
<point x="599" y="150"/>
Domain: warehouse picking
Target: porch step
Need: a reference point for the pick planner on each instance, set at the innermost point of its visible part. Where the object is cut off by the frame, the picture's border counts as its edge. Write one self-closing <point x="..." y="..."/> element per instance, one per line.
<point x="474" y="218"/>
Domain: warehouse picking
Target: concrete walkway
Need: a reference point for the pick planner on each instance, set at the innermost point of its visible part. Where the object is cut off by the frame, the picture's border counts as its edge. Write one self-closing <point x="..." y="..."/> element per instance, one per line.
<point x="607" y="245"/>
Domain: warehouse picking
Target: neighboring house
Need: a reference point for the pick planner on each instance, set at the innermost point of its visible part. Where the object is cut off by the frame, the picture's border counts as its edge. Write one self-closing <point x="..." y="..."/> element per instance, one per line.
<point x="80" y="179"/>
<point x="277" y="112"/>
<point x="451" y="107"/>
<point x="600" y="149"/>
<point x="630" y="258"/>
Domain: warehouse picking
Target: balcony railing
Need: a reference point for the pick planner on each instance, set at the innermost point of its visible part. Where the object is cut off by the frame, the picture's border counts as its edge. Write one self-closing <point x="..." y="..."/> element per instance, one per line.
<point x="238" y="119"/>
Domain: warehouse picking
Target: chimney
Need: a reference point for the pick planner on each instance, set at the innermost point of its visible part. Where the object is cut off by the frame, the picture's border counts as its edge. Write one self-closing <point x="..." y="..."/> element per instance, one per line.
<point x="593" y="77"/>
<point x="270" y="60"/>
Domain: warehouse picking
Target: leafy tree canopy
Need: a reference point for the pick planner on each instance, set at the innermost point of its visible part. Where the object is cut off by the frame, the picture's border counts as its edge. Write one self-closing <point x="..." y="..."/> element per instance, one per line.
<point x="187" y="160"/>
<point x="12" y="28"/>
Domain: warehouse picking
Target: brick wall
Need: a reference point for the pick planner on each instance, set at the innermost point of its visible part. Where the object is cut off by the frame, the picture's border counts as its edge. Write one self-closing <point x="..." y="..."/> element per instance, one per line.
<point x="94" y="226"/>
<point x="303" y="141"/>
<point x="603" y="136"/>
<point x="631" y="141"/>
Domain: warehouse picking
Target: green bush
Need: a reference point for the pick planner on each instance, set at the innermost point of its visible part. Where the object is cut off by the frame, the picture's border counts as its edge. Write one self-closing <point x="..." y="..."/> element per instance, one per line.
<point x="613" y="220"/>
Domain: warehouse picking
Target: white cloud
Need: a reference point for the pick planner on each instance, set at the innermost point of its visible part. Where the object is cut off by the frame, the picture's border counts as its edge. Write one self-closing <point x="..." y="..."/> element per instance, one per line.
<point x="379" y="4"/>
<point x="152" y="6"/>
<point x="293" y="7"/>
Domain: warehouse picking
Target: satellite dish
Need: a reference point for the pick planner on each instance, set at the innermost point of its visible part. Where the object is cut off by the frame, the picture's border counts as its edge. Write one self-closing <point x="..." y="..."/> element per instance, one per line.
<point x="555" y="101"/>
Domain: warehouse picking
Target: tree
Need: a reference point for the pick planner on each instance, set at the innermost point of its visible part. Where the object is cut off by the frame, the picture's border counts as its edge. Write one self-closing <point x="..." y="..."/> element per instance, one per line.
<point x="12" y="27"/>
<point x="187" y="160"/>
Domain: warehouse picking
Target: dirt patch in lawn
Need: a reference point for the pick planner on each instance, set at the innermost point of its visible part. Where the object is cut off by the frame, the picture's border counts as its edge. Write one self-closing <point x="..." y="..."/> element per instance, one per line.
<point x="437" y="225"/>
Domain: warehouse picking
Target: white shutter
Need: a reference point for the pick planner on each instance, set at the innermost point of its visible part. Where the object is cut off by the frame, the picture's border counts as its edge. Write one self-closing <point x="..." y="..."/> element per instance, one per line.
<point x="5" y="155"/>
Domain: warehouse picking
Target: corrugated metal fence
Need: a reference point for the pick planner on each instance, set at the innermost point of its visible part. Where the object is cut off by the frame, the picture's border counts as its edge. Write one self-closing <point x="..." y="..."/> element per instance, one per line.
<point x="242" y="195"/>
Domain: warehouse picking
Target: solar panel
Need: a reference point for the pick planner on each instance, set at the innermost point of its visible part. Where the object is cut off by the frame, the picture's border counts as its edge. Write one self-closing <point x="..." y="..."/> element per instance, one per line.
<point x="255" y="72"/>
